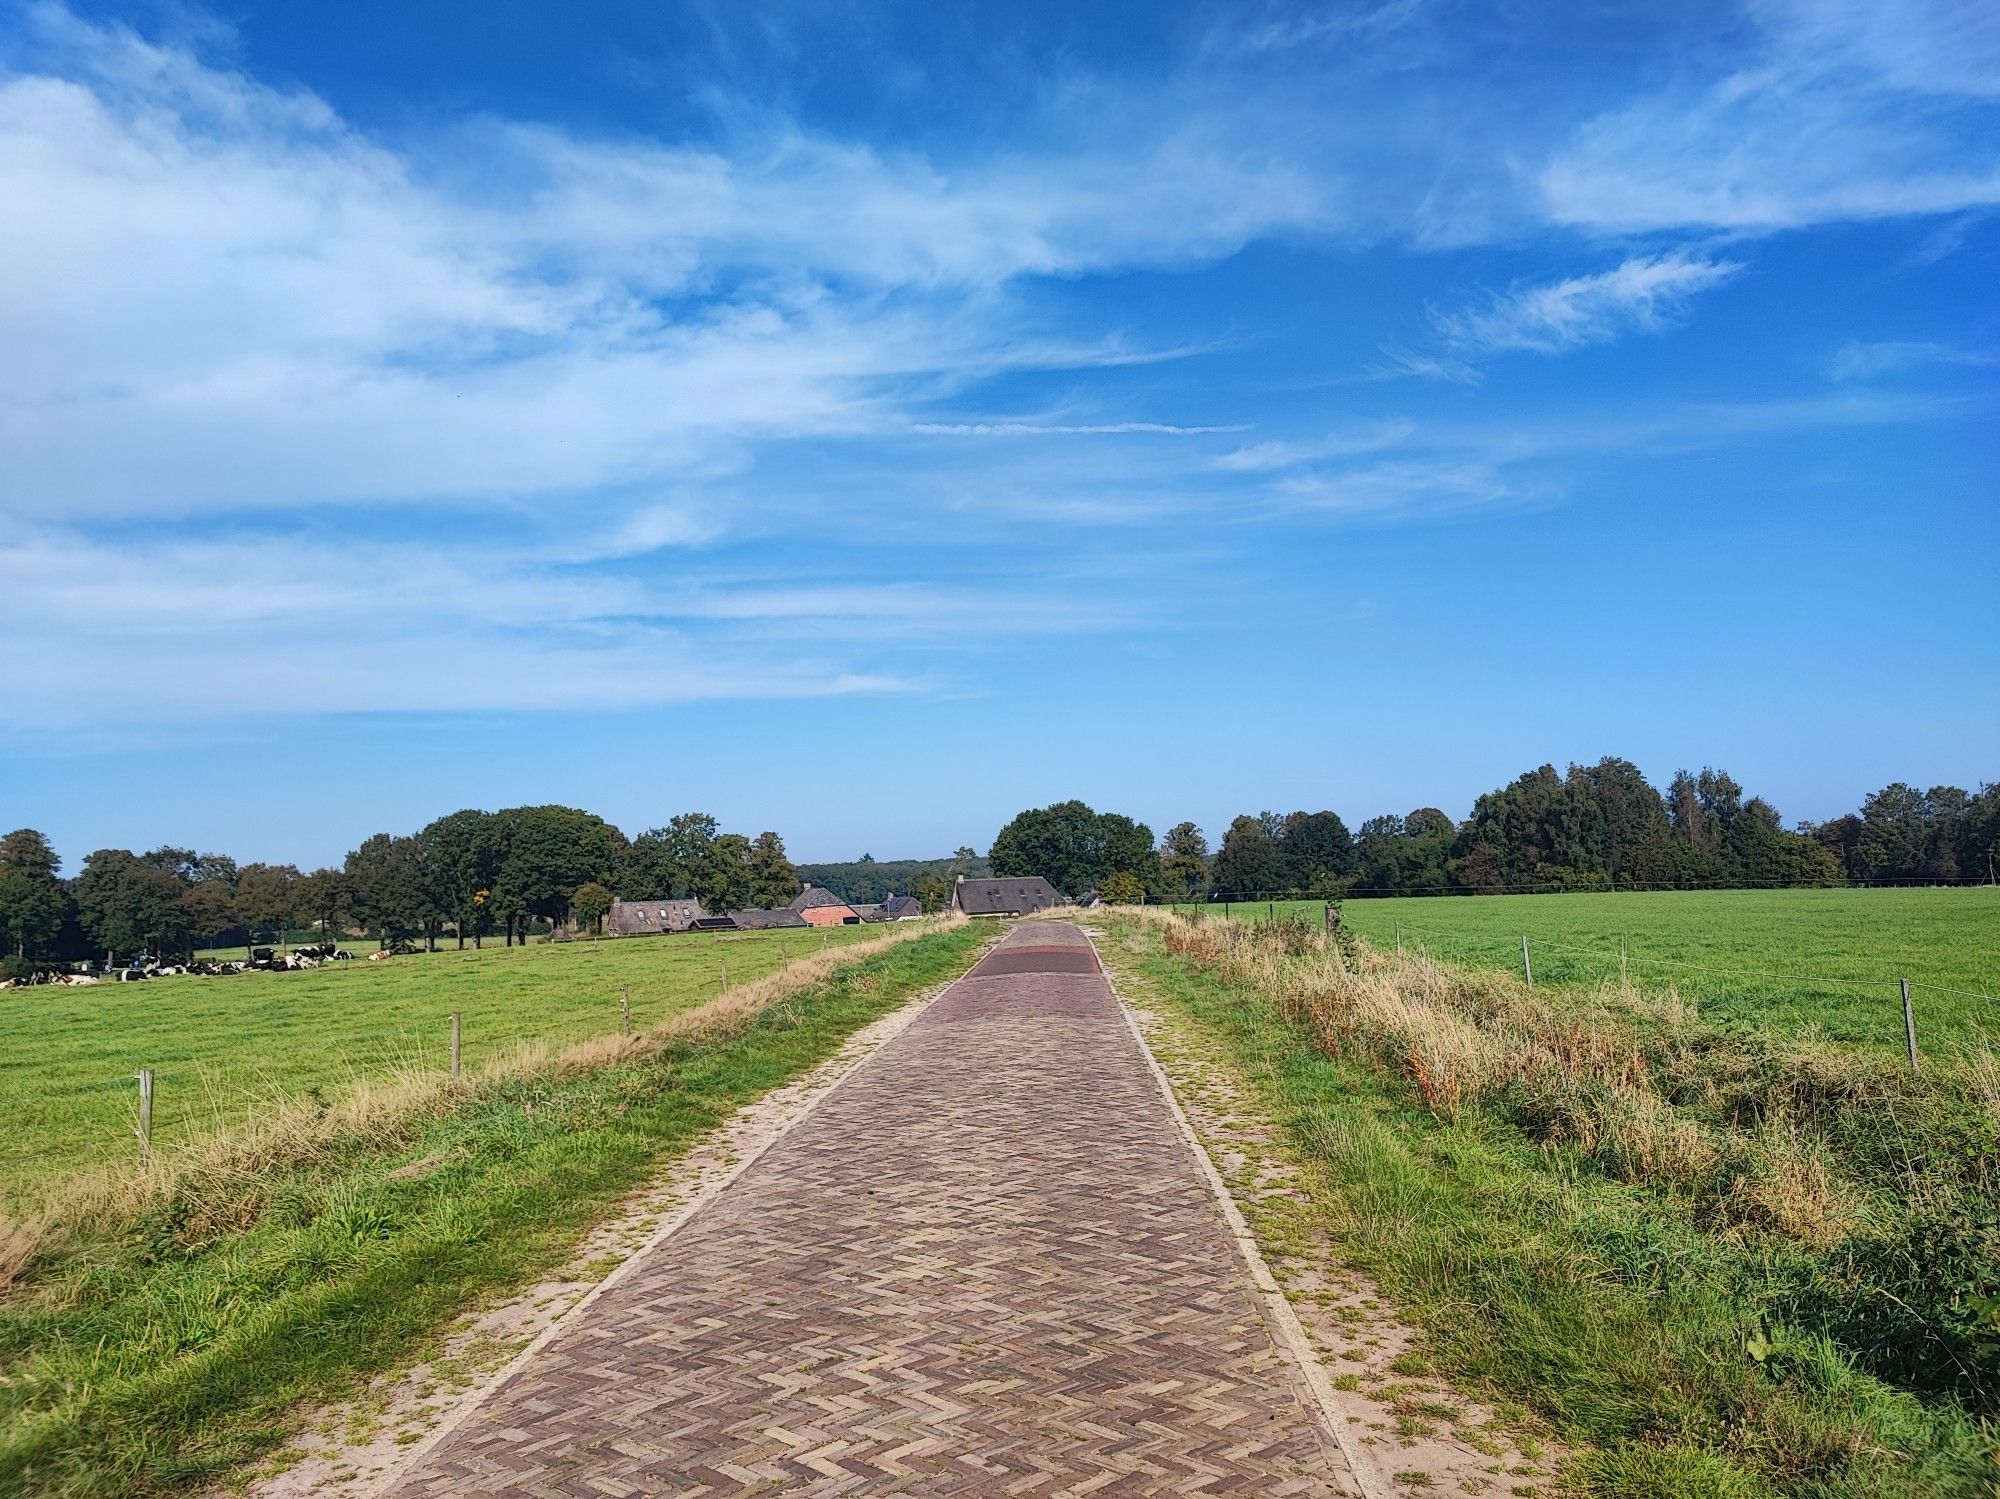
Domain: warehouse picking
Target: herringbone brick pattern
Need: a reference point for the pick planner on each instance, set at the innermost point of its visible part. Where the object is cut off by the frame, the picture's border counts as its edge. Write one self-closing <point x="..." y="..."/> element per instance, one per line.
<point x="984" y="1265"/>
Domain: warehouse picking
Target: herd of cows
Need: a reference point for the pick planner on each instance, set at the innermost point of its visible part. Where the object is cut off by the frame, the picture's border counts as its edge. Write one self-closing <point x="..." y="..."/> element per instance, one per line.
<point x="261" y="960"/>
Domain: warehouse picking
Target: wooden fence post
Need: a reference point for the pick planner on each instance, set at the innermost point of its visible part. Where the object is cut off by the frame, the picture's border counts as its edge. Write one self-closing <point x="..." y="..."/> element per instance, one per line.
<point x="625" y="1008"/>
<point x="145" y="1130"/>
<point x="455" y="1038"/>
<point x="1527" y="968"/>
<point x="725" y="975"/>
<point x="1910" y="1025"/>
<point x="1399" y="939"/>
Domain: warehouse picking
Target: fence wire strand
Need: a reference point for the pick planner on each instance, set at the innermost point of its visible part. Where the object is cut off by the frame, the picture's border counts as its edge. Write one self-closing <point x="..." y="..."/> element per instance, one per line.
<point x="1640" y="958"/>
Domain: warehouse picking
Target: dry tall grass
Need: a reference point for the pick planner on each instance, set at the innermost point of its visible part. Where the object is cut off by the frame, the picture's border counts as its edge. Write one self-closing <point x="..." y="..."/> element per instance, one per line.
<point x="1749" y="1127"/>
<point x="219" y="1178"/>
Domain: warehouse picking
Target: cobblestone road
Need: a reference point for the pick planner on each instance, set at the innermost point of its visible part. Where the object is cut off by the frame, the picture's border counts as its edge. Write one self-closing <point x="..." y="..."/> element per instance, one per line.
<point x="985" y="1264"/>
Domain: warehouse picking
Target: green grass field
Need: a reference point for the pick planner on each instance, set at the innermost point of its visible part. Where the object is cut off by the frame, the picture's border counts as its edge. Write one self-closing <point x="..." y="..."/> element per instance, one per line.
<point x="165" y="1347"/>
<point x="1794" y="958"/>
<point x="220" y="1046"/>
<point x="1715" y="1261"/>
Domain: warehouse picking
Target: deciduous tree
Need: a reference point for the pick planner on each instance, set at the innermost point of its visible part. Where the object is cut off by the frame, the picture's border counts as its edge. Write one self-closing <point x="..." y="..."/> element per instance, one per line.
<point x="33" y="901"/>
<point x="590" y="903"/>
<point x="1184" y="861"/>
<point x="1248" y="863"/>
<point x="774" y="879"/>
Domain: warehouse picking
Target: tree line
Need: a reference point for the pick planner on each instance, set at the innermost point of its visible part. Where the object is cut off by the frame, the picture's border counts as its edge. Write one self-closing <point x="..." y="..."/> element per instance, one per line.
<point x="1591" y="827"/>
<point x="471" y="874"/>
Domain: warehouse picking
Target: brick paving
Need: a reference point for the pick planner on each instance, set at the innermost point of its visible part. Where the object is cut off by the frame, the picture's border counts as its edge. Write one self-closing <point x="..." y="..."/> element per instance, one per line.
<point x="984" y="1265"/>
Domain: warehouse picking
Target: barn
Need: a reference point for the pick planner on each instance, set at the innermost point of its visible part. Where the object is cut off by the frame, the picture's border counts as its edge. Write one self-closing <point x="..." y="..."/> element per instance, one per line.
<point x="821" y="907"/>
<point x="1008" y="897"/>
<point x="768" y="921"/>
<point x="649" y="918"/>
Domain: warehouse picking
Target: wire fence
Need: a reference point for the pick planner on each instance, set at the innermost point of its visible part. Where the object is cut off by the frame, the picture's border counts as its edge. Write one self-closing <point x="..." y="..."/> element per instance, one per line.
<point x="168" y="1093"/>
<point x="1710" y="986"/>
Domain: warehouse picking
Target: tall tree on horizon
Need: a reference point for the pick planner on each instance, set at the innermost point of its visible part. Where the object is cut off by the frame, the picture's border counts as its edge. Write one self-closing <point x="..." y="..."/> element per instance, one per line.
<point x="1184" y="860"/>
<point x="33" y="901"/>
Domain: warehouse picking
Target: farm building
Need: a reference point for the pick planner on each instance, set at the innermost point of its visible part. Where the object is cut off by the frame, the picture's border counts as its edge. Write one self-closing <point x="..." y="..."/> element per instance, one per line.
<point x="821" y="907"/>
<point x="1011" y="897"/>
<point x="765" y="921"/>
<point x="648" y="918"/>
<point x="901" y="908"/>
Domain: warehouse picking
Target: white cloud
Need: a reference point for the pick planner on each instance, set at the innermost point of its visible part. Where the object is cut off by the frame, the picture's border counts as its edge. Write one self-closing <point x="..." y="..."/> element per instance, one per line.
<point x="1397" y="362"/>
<point x="1937" y="47"/>
<point x="1446" y="468"/>
<point x="1258" y="457"/>
<point x="1065" y="429"/>
<point x="280" y="624"/>
<point x="1867" y="361"/>
<point x="1430" y="486"/>
<point x="1855" y="109"/>
<point x="238" y="301"/>
<point x="1639" y="295"/>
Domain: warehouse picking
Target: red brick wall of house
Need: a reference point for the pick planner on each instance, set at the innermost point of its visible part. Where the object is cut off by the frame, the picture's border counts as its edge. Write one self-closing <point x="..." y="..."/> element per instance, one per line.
<point x="827" y="915"/>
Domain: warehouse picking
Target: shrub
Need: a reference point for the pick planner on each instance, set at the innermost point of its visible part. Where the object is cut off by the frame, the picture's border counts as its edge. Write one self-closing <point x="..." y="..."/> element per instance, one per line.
<point x="1121" y="889"/>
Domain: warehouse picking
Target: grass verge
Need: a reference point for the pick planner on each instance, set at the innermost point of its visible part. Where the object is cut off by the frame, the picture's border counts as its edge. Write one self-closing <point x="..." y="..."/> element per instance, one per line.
<point x="1717" y="1262"/>
<point x="171" y="1341"/>
<point x="225" y="1051"/>
<point x="1825" y="960"/>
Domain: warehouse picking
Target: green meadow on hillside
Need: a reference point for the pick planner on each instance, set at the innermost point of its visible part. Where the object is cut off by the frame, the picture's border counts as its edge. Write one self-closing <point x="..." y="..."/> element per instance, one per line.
<point x="1793" y="958"/>
<point x="221" y="1049"/>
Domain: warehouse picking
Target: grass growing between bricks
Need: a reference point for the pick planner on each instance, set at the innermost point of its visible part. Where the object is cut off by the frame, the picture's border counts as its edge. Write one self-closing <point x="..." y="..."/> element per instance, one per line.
<point x="171" y="1348"/>
<point x="1718" y="1263"/>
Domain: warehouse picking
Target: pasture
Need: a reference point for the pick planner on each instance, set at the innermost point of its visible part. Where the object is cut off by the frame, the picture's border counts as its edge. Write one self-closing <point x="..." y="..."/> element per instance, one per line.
<point x="1716" y="1260"/>
<point x="1789" y="958"/>
<point x="171" y="1339"/>
<point x="222" y="1048"/>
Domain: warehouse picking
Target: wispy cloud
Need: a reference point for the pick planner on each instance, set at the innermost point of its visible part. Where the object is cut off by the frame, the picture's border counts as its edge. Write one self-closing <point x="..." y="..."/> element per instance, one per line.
<point x="1852" y="109"/>
<point x="1868" y="361"/>
<point x="1258" y="457"/>
<point x="1429" y="487"/>
<point x="263" y="302"/>
<point x="1397" y="362"/>
<point x="1328" y="23"/>
<point x="260" y="625"/>
<point x="1640" y="295"/>
<point x="1066" y="429"/>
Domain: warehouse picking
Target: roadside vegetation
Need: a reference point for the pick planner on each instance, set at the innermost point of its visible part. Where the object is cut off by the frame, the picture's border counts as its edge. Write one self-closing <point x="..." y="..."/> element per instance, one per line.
<point x="164" y="1331"/>
<point x="227" y="1052"/>
<point x="1794" y="959"/>
<point x="1714" y="1258"/>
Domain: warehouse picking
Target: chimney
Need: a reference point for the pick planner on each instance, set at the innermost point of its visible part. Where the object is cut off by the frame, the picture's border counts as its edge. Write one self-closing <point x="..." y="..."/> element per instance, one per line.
<point x="959" y="881"/>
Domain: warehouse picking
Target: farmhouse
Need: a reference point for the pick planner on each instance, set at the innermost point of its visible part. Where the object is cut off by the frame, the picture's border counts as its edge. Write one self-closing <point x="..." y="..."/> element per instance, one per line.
<point x="767" y="921"/>
<point x="821" y="907"/>
<point x="1011" y="897"/>
<point x="901" y="908"/>
<point x="646" y="918"/>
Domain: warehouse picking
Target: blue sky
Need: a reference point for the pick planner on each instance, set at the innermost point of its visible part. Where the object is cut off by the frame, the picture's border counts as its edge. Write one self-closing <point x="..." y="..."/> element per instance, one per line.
<point x="869" y="421"/>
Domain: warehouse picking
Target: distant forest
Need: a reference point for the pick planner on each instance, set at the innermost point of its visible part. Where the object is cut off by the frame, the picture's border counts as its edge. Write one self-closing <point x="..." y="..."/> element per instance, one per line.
<point x="872" y="880"/>
<point x="474" y="873"/>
